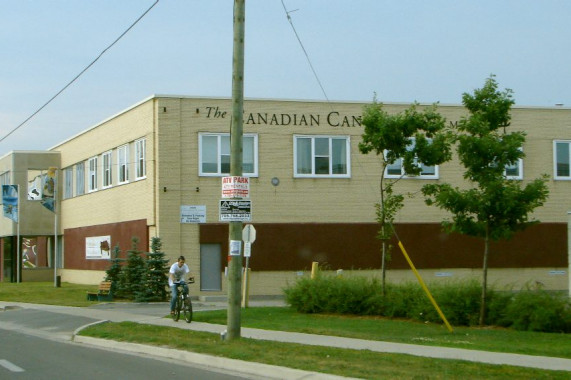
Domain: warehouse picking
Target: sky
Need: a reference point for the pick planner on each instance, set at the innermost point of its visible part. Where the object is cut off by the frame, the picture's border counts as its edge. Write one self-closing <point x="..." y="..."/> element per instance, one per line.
<point x="401" y="50"/>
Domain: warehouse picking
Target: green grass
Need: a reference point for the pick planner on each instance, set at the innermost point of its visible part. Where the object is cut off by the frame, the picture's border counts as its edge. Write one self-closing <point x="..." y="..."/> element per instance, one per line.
<point x="364" y="364"/>
<point x="46" y="293"/>
<point x="400" y="331"/>
<point x="354" y="363"/>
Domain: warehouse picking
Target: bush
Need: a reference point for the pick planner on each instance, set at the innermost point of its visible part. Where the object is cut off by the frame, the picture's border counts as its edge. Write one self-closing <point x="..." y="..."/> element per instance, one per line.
<point x="539" y="310"/>
<point x="459" y="302"/>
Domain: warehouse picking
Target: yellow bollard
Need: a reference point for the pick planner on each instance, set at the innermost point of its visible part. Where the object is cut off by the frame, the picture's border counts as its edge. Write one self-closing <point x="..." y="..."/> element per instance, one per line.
<point x="314" y="269"/>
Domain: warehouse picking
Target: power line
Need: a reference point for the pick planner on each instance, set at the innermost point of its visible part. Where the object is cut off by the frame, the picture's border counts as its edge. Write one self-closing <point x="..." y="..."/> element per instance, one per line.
<point x="303" y="48"/>
<point x="80" y="74"/>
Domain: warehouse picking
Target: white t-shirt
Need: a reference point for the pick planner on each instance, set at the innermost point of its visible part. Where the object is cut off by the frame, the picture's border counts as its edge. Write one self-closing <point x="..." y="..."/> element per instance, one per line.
<point x="178" y="272"/>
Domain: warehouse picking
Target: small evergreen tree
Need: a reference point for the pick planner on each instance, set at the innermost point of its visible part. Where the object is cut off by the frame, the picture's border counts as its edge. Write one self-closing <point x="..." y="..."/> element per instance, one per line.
<point x="113" y="274"/>
<point x="156" y="278"/>
<point x="133" y="274"/>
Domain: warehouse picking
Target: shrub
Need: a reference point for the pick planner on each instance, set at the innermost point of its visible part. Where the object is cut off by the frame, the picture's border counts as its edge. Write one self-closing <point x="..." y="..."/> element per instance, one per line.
<point x="459" y="301"/>
<point x="539" y="310"/>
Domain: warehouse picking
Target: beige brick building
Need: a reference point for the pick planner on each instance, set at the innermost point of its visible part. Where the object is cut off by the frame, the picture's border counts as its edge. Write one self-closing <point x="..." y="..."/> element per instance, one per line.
<point x="312" y="194"/>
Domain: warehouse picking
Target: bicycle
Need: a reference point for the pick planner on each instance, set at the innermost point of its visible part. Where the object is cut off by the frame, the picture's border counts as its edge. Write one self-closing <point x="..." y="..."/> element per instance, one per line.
<point x="183" y="302"/>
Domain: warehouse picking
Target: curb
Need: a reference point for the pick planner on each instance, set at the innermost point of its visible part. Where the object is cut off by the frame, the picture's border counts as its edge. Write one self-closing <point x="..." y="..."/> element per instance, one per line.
<point x="252" y="369"/>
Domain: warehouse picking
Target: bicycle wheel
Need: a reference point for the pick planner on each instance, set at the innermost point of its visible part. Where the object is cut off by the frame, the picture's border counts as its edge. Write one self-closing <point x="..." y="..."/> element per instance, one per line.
<point x="187" y="310"/>
<point x="177" y="308"/>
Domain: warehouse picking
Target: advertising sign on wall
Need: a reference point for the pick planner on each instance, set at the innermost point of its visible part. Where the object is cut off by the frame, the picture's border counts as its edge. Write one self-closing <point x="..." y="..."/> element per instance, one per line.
<point x="98" y="247"/>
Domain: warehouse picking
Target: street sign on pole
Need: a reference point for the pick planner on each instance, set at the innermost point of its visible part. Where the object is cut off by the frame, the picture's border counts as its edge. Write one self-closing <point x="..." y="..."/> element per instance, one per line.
<point x="249" y="234"/>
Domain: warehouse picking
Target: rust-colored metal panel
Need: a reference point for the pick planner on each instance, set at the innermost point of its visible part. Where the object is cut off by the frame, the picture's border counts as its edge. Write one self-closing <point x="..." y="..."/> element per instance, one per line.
<point x="121" y="234"/>
<point x="355" y="246"/>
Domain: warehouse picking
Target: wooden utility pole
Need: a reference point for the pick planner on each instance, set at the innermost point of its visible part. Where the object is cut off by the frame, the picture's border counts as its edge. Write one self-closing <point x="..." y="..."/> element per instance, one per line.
<point x="236" y="132"/>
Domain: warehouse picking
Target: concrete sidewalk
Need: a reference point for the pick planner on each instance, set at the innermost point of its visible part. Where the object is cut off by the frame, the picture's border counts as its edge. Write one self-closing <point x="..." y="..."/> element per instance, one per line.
<point x="149" y="314"/>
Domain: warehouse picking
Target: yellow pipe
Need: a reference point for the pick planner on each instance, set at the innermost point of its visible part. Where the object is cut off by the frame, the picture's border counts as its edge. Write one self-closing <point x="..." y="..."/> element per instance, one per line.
<point x="424" y="287"/>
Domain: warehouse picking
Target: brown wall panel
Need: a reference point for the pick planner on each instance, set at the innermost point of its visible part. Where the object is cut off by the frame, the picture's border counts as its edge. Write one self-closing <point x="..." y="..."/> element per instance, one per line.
<point x="354" y="246"/>
<point x="121" y="234"/>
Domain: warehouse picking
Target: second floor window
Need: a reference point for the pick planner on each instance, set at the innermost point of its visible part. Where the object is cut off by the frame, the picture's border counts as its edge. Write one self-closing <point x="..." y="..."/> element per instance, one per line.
<point x="107" y="169"/>
<point x="396" y="169"/>
<point x="214" y="154"/>
<point x="561" y="159"/>
<point x="123" y="163"/>
<point x="68" y="185"/>
<point x="80" y="178"/>
<point x="92" y="178"/>
<point x="140" y="163"/>
<point x="321" y="156"/>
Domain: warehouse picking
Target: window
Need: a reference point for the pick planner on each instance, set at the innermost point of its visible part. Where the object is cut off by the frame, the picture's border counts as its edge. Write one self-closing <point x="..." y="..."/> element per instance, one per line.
<point x="68" y="183"/>
<point x="123" y="159"/>
<point x="5" y="178"/>
<point x="92" y="179"/>
<point x="214" y="154"/>
<point x="396" y="170"/>
<point x="321" y="156"/>
<point x="514" y="171"/>
<point x="107" y="172"/>
<point x="141" y="166"/>
<point x="80" y="178"/>
<point x="561" y="155"/>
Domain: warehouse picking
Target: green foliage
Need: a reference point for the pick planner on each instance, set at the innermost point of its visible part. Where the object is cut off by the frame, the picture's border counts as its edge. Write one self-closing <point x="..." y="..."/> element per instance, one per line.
<point x="539" y="310"/>
<point x="412" y="136"/>
<point x="156" y="277"/>
<point x="494" y="208"/>
<point x="133" y="275"/>
<point x="459" y="301"/>
<point x="113" y="273"/>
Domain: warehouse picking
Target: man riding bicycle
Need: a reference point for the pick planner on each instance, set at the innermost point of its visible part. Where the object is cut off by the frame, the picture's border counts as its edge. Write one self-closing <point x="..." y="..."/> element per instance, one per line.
<point x="177" y="273"/>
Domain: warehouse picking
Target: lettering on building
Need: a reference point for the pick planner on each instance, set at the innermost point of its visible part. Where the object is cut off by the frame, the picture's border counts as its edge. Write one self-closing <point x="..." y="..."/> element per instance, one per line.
<point x="332" y="119"/>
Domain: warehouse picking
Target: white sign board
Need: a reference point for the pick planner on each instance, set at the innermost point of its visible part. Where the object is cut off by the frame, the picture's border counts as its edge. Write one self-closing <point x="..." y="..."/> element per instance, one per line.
<point x="247" y="249"/>
<point x="193" y="214"/>
<point x="235" y="211"/>
<point x="98" y="247"/>
<point x="235" y="247"/>
<point x="235" y="187"/>
<point x="249" y="233"/>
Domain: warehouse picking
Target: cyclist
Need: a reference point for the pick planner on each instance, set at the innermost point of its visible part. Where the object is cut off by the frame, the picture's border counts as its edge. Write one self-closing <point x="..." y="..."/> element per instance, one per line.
<point x="177" y="273"/>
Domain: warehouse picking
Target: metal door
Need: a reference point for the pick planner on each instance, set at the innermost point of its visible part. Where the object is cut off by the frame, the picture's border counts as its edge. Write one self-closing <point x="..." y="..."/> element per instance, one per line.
<point x="210" y="267"/>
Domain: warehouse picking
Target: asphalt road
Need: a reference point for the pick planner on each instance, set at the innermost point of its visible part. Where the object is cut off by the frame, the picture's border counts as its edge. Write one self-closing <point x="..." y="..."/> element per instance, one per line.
<point x="23" y="356"/>
<point x="36" y="345"/>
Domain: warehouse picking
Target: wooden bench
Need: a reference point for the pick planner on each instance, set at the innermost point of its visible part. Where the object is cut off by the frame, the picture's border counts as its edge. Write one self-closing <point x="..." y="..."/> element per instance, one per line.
<point x="103" y="293"/>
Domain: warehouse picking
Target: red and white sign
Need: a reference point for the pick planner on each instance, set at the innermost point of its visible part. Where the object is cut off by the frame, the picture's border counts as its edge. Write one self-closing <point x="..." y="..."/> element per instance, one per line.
<point x="235" y="187"/>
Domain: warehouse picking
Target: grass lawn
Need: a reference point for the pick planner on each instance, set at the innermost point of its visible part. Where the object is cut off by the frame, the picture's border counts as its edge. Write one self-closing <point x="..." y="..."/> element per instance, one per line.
<point x="363" y="364"/>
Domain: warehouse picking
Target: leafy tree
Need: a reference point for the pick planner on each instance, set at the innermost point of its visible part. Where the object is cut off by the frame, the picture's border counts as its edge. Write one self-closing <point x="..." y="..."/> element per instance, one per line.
<point x="113" y="274"/>
<point x="412" y="136"/>
<point x="134" y="273"/>
<point x="156" y="277"/>
<point x="495" y="207"/>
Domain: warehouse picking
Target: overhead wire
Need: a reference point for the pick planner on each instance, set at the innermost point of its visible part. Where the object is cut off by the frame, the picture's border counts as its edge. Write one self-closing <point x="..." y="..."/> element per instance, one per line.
<point x="80" y="74"/>
<point x="304" y="51"/>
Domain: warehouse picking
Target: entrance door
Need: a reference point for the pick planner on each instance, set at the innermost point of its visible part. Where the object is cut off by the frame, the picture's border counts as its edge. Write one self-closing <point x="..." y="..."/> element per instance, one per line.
<point x="210" y="267"/>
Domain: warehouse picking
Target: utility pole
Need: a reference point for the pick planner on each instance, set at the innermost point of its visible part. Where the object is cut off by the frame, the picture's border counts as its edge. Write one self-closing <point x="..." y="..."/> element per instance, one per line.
<point x="236" y="133"/>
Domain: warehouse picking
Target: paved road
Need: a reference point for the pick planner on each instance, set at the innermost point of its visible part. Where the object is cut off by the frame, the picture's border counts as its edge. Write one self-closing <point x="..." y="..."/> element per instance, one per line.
<point x="26" y="357"/>
<point x="154" y="314"/>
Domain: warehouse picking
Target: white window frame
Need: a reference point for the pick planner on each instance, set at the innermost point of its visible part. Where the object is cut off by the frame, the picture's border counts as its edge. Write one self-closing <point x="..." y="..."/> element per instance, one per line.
<point x="68" y="183"/>
<point x="80" y="178"/>
<point x="314" y="156"/>
<point x="123" y="164"/>
<point x="140" y="159"/>
<point x="107" y="169"/>
<point x="518" y="166"/>
<point x="253" y="151"/>
<point x="397" y="165"/>
<point x="92" y="174"/>
<point x="555" y="171"/>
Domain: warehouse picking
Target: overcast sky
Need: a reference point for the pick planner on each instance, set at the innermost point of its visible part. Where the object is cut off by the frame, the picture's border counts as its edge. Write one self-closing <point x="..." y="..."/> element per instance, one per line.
<point x="403" y="50"/>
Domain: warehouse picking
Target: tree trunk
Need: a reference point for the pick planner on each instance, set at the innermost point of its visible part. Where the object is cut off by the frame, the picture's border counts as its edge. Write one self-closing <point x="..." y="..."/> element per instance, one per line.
<point x="484" y="280"/>
<point x="383" y="266"/>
